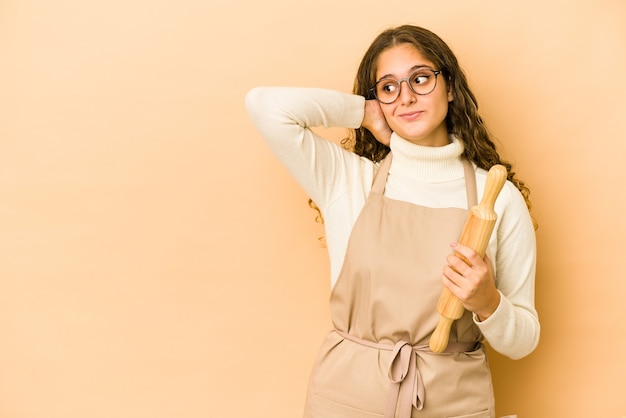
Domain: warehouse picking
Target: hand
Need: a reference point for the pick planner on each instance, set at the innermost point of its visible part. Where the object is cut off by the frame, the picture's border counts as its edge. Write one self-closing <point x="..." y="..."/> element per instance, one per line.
<point x="375" y="122"/>
<point x="471" y="279"/>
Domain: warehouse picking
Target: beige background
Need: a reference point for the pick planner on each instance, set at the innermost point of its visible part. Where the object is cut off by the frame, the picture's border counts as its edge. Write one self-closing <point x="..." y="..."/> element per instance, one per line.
<point x="156" y="260"/>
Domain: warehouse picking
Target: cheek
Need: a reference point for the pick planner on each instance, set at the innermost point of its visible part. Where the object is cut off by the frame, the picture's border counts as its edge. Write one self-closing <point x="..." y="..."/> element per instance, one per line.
<point x="388" y="113"/>
<point x="441" y="103"/>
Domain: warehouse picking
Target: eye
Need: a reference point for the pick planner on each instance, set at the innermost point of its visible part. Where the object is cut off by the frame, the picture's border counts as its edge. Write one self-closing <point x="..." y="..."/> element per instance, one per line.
<point x="420" y="78"/>
<point x="387" y="87"/>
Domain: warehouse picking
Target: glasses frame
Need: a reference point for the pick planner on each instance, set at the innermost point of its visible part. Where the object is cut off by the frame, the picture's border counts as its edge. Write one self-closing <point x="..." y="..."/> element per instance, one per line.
<point x="372" y="89"/>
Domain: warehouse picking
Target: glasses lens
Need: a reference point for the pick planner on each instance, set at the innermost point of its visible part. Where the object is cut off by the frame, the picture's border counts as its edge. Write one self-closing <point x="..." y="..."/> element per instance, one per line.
<point x="423" y="81"/>
<point x="387" y="90"/>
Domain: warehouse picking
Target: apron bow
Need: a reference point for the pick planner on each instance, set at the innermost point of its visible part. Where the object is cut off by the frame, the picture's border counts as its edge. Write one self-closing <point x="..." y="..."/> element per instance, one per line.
<point x="406" y="382"/>
<point x="406" y="387"/>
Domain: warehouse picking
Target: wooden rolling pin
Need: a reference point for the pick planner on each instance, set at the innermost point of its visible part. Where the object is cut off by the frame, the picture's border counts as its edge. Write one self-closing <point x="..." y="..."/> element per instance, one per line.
<point x="476" y="233"/>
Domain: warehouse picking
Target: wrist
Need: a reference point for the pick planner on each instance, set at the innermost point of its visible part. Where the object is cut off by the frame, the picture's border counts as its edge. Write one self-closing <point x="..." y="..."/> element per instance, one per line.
<point x="491" y="307"/>
<point x="369" y="114"/>
<point x="375" y="122"/>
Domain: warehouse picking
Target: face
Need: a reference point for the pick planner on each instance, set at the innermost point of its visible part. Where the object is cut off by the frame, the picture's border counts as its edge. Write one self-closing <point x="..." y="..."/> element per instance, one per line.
<point x="417" y="118"/>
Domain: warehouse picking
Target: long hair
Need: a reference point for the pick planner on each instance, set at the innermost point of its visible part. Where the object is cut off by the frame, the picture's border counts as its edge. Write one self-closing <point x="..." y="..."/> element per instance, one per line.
<point x="462" y="120"/>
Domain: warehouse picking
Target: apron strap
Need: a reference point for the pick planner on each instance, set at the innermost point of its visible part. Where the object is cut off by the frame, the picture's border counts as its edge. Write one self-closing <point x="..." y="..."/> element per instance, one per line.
<point x="470" y="184"/>
<point x="380" y="179"/>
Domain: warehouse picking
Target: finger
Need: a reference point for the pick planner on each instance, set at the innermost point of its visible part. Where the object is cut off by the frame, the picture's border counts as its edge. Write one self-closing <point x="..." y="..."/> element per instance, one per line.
<point x="450" y="284"/>
<point x="451" y="276"/>
<point x="453" y="282"/>
<point x="468" y="253"/>
<point x="488" y="262"/>
<point x="459" y="264"/>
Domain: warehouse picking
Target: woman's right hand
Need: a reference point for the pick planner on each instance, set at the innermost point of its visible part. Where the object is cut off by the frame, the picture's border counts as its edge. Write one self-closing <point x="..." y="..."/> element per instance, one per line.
<point x="375" y="122"/>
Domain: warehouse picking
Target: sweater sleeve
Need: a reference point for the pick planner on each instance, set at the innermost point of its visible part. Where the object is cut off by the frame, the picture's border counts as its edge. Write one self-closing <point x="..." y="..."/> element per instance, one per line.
<point x="513" y="329"/>
<point x="285" y="115"/>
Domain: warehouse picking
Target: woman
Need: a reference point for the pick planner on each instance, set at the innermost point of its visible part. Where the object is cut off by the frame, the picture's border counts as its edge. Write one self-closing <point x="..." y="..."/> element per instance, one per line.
<point x="392" y="207"/>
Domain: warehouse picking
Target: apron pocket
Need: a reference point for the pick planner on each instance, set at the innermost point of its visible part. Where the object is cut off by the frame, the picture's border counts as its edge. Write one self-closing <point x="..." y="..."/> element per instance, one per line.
<point x="318" y="406"/>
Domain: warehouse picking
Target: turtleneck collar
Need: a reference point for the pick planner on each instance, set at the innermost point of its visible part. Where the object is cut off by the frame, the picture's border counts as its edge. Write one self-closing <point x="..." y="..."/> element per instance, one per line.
<point x="430" y="164"/>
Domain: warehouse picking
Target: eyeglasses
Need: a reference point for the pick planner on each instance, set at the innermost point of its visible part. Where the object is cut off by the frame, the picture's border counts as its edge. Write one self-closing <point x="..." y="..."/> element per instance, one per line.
<point x="422" y="81"/>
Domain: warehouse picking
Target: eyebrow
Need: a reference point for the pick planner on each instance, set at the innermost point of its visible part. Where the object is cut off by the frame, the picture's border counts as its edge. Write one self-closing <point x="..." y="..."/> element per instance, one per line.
<point x="415" y="67"/>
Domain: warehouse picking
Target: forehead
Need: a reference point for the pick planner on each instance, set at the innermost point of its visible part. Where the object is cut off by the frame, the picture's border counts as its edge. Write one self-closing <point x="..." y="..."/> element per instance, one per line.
<point x="398" y="60"/>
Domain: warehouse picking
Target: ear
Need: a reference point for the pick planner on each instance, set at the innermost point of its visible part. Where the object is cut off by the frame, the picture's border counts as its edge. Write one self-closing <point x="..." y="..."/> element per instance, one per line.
<point x="450" y="94"/>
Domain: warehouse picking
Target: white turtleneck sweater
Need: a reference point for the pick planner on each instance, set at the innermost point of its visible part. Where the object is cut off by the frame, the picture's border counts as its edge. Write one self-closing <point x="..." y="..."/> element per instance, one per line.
<point x="339" y="182"/>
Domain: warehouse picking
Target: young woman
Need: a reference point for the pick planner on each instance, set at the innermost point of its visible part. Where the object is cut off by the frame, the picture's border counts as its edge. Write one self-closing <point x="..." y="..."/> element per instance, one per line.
<point x="393" y="206"/>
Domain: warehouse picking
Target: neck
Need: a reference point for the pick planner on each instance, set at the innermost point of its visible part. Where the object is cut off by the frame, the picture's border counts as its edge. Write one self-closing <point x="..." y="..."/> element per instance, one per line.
<point x="438" y="138"/>
<point x="427" y="163"/>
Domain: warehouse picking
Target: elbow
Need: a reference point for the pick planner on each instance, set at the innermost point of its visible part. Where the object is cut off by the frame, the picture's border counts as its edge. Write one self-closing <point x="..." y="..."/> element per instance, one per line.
<point x="254" y="100"/>
<point x="530" y="345"/>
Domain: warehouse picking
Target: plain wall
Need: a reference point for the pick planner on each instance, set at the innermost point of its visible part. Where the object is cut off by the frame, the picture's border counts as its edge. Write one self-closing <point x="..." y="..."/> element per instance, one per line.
<point x="157" y="261"/>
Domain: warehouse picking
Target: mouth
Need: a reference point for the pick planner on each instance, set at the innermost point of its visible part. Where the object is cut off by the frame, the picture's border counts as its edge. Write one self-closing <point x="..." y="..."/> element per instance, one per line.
<point x="409" y="116"/>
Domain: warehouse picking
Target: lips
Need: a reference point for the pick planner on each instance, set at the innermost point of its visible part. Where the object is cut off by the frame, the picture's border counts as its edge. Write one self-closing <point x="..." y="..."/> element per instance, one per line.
<point x="409" y="116"/>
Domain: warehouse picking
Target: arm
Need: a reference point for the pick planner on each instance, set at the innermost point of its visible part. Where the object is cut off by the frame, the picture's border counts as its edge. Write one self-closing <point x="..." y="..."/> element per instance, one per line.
<point x="284" y="116"/>
<point x="503" y="308"/>
<point x="513" y="329"/>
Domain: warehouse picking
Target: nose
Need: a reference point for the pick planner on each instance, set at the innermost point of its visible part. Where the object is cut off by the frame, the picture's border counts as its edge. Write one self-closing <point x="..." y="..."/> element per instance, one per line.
<point x="406" y="94"/>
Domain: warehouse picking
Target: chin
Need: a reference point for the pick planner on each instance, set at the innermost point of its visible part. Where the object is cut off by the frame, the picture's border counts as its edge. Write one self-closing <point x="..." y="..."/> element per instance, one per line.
<point x="412" y="136"/>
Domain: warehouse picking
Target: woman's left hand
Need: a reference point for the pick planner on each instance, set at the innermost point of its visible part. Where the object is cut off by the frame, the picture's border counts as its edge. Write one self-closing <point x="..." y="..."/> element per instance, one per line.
<point x="375" y="122"/>
<point x="472" y="281"/>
